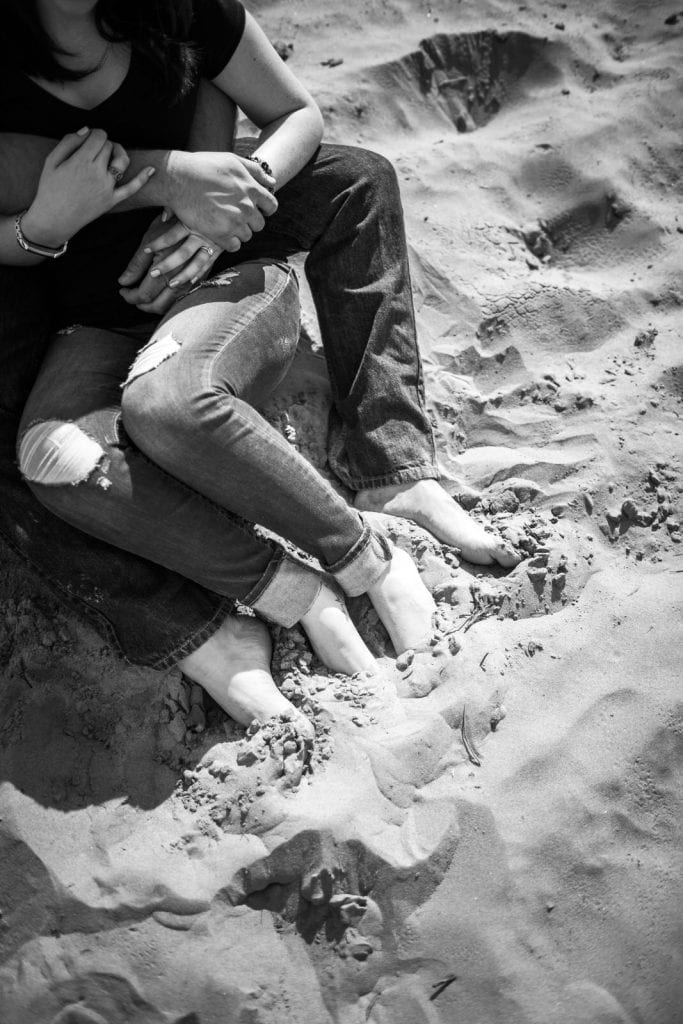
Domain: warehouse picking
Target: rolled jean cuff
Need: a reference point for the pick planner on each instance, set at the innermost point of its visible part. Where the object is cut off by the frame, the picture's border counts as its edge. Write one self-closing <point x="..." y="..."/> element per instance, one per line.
<point x="365" y="563"/>
<point x="286" y="592"/>
<point x="224" y="609"/>
<point x="408" y="474"/>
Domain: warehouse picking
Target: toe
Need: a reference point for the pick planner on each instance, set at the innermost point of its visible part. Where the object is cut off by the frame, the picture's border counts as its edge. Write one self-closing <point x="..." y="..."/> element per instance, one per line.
<point x="506" y="555"/>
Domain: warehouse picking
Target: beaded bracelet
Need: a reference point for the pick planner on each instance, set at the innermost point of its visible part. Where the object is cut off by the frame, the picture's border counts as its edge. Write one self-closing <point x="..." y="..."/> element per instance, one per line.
<point x="264" y="167"/>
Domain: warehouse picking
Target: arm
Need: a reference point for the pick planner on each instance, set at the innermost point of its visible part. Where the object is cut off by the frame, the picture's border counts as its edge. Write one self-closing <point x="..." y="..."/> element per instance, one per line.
<point x="220" y="195"/>
<point x="204" y="189"/>
<point x="223" y="196"/>
<point x="261" y="84"/>
<point x="75" y="186"/>
<point x="213" y="128"/>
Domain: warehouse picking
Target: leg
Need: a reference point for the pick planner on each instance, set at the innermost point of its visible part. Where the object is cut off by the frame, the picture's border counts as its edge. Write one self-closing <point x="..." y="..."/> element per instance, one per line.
<point x="151" y="615"/>
<point x="344" y="208"/>
<point x="189" y="403"/>
<point x="98" y="482"/>
<point x="426" y="503"/>
<point x="233" y="666"/>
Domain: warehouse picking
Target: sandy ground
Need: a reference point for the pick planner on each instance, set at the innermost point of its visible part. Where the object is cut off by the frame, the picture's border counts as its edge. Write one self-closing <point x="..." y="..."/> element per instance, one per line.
<point x="160" y="865"/>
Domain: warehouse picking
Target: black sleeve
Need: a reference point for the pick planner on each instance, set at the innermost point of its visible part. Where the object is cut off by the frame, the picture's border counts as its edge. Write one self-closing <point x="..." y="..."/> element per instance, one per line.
<point x="217" y="29"/>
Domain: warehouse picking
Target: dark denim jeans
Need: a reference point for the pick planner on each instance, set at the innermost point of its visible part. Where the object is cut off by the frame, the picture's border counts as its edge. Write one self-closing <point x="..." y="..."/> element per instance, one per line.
<point x="344" y="209"/>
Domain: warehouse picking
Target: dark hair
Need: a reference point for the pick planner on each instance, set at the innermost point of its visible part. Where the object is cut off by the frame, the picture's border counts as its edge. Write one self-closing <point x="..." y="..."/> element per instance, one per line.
<point x="156" y="29"/>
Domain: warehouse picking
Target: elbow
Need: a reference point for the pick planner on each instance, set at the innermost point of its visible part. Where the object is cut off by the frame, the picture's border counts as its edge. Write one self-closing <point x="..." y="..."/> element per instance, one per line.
<point x="317" y="122"/>
<point x="315" y="126"/>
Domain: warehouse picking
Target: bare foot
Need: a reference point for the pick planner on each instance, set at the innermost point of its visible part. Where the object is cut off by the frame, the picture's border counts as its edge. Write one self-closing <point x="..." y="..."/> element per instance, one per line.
<point x="233" y="666"/>
<point x="333" y="636"/>
<point x="403" y="603"/>
<point x="426" y="503"/>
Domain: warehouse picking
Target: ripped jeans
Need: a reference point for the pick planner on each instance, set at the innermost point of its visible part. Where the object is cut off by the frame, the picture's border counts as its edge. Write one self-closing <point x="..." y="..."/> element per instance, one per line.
<point x="344" y="210"/>
<point x="190" y="402"/>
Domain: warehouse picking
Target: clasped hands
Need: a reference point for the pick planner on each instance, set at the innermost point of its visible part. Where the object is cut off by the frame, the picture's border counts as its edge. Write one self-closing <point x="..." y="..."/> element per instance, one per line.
<point x="217" y="205"/>
<point x="155" y="278"/>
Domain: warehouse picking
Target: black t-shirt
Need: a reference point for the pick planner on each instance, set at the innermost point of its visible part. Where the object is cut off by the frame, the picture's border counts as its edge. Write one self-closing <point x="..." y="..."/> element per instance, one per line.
<point x="138" y="116"/>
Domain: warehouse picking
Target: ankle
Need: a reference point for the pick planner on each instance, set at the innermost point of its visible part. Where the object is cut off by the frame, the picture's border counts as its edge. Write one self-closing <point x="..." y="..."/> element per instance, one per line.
<point x="333" y="636"/>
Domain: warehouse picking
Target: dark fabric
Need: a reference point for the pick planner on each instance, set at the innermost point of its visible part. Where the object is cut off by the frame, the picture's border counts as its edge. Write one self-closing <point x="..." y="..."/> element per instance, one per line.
<point x="346" y="201"/>
<point x="217" y="29"/>
<point x="151" y="615"/>
<point x="138" y="117"/>
<point x="344" y="209"/>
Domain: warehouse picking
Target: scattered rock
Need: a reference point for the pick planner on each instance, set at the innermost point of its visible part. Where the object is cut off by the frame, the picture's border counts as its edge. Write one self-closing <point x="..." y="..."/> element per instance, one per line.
<point x="283" y="50"/>
<point x="645" y="339"/>
<point x="355" y="945"/>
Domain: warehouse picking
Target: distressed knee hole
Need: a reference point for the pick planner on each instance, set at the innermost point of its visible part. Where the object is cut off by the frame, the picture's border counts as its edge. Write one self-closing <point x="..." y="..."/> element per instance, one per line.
<point x="152" y="355"/>
<point x="54" y="453"/>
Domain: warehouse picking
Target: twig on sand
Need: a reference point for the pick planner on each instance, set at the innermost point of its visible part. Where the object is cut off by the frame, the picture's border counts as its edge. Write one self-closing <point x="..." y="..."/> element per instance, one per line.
<point x="23" y="673"/>
<point x="467" y="742"/>
<point x="481" y="663"/>
<point x="476" y="616"/>
<point x="441" y="986"/>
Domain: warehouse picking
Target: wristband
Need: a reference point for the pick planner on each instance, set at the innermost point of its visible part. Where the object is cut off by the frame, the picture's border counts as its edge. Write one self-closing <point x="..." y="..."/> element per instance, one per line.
<point x="28" y="246"/>
<point x="264" y="167"/>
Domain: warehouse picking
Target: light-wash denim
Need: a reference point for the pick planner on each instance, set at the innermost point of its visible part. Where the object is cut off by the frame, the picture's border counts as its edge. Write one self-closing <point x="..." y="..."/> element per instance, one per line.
<point x="191" y="400"/>
<point x="193" y="465"/>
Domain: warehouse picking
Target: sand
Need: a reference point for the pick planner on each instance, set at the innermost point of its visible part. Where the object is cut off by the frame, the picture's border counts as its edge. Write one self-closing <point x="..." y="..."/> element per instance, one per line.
<point x="160" y="864"/>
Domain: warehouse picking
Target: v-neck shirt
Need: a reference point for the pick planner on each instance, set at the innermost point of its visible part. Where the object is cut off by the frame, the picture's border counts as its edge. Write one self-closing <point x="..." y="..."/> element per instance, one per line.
<point x="138" y="116"/>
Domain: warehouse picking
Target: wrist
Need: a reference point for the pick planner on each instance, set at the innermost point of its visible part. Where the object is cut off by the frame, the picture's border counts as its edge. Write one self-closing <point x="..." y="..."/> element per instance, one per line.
<point x="37" y="230"/>
<point x="177" y="168"/>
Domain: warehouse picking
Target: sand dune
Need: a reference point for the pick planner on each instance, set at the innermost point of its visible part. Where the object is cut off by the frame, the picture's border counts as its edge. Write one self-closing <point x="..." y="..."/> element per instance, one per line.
<point x="490" y="832"/>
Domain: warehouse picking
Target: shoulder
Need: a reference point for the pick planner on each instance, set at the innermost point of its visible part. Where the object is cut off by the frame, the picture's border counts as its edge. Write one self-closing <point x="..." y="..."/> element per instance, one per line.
<point x="217" y="28"/>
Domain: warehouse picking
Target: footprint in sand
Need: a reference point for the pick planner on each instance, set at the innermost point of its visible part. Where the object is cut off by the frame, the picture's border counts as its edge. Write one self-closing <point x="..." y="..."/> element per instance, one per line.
<point x="78" y="1014"/>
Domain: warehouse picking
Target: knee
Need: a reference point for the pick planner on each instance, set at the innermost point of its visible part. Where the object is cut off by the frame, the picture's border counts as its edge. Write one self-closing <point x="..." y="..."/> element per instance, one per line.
<point x="144" y="398"/>
<point x="54" y="453"/>
<point x="369" y="170"/>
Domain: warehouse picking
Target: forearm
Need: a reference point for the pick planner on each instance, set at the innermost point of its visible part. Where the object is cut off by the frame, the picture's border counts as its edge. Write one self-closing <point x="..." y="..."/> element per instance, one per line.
<point x="22" y="156"/>
<point x="288" y="144"/>
<point x="11" y="253"/>
<point x="21" y="162"/>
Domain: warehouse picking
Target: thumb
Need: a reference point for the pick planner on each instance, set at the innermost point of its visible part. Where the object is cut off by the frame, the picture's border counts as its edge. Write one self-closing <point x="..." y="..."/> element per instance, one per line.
<point x="138" y="266"/>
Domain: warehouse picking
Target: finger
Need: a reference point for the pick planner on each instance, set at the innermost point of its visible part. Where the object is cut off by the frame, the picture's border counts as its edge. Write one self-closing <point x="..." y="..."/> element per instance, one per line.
<point x="97" y="138"/>
<point x="140" y="261"/>
<point x="130" y="295"/>
<point x="138" y="265"/>
<point x="232" y="245"/>
<point x="161" y="304"/>
<point x="243" y="232"/>
<point x="119" y="162"/>
<point x="146" y="291"/>
<point x="103" y="158"/>
<point x="175" y="234"/>
<point x="265" y="201"/>
<point x="193" y="270"/>
<point x="134" y="185"/>
<point x="178" y="257"/>
<point x="66" y="147"/>
<point x="256" y="221"/>
<point x="258" y="174"/>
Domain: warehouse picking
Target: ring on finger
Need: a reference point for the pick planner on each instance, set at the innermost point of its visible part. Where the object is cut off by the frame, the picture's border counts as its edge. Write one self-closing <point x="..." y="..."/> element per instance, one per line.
<point x="208" y="249"/>
<point x="115" y="173"/>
